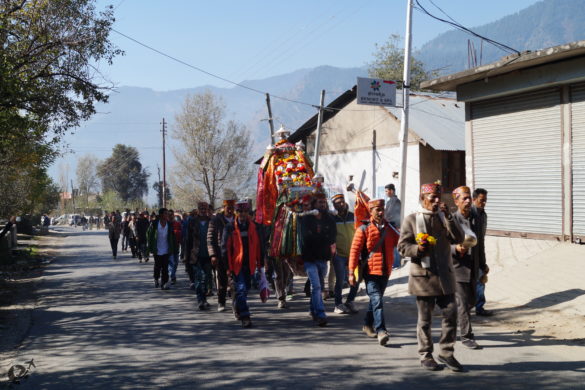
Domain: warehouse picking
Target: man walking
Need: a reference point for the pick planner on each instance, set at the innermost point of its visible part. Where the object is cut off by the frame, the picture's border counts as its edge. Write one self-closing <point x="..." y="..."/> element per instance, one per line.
<point x="318" y="234"/>
<point x="479" y="215"/>
<point x="242" y="246"/>
<point x="141" y="229"/>
<point x="392" y="215"/>
<point x="219" y="262"/>
<point x="374" y="245"/>
<point x="345" y="227"/>
<point x="431" y="276"/>
<point x="161" y="243"/>
<point x="197" y="254"/>
<point x="466" y="263"/>
<point x="114" y="231"/>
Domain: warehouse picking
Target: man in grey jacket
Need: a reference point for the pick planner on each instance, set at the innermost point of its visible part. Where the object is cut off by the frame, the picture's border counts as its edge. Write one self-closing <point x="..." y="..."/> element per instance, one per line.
<point x="431" y="276"/>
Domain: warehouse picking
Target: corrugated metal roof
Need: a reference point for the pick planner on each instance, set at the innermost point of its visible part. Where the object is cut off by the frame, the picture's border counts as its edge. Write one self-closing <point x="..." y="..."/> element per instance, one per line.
<point x="437" y="119"/>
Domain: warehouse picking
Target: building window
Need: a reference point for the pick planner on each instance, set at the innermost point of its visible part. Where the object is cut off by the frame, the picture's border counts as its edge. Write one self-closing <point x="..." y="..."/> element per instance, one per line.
<point x="453" y="170"/>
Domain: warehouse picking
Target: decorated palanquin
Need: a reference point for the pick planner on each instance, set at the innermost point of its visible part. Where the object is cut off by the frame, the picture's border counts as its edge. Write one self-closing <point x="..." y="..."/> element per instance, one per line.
<point x="285" y="177"/>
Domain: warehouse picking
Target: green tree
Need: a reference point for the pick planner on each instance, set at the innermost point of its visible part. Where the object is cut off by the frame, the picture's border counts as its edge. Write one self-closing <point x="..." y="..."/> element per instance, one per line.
<point x="122" y="173"/>
<point x="388" y="64"/>
<point x="87" y="179"/>
<point x="158" y="186"/>
<point x="212" y="153"/>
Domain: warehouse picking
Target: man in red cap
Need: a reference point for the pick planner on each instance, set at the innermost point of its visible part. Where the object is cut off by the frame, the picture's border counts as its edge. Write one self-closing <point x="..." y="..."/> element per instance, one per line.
<point x="467" y="263"/>
<point x="373" y="245"/>
<point x="219" y="262"/>
<point x="431" y="276"/>
<point x="242" y="246"/>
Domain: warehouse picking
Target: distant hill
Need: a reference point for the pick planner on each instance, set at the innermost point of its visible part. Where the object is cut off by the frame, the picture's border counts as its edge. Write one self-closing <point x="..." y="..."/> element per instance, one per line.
<point x="544" y="24"/>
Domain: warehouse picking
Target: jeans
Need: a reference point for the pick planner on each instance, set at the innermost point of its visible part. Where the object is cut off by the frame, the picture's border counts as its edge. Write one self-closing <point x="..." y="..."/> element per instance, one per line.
<point x="141" y="249"/>
<point x="397" y="258"/>
<point x="124" y="242"/>
<point x="375" y="287"/>
<point x="242" y="283"/>
<point x="479" y="295"/>
<point x="173" y="264"/>
<point x="114" y="245"/>
<point x="341" y="271"/>
<point x="161" y="266"/>
<point x="316" y="271"/>
<point x="200" y="272"/>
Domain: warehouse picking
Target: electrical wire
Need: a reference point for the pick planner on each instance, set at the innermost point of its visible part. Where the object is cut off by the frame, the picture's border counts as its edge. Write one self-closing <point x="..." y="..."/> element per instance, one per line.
<point x="460" y="27"/>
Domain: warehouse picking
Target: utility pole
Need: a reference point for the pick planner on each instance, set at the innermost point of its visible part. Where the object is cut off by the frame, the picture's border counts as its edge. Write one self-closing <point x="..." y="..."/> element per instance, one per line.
<point x="270" y="121"/>
<point x="405" y="101"/>
<point x="318" y="138"/>
<point x="374" y="165"/>
<point x="164" y="183"/>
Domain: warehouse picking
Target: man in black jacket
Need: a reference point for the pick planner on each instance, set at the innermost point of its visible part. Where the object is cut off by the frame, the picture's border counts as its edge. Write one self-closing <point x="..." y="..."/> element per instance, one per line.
<point x="141" y="228"/>
<point x="219" y="262"/>
<point x="319" y="233"/>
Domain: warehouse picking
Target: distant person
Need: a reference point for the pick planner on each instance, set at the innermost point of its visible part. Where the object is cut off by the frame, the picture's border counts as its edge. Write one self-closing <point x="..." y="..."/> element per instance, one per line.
<point x="125" y="231"/>
<point x="142" y="224"/>
<point x="114" y="231"/>
<point x="132" y="236"/>
<point x="392" y="214"/>
<point x="175" y="222"/>
<point x="161" y="243"/>
<point x="480" y="216"/>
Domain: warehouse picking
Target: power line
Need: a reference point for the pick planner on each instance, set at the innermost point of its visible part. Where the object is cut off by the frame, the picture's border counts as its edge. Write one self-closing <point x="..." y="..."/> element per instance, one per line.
<point x="460" y="27"/>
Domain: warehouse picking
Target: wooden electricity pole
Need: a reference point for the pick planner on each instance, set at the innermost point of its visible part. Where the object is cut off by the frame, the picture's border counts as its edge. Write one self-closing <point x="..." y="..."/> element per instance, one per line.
<point x="318" y="138"/>
<point x="270" y="120"/>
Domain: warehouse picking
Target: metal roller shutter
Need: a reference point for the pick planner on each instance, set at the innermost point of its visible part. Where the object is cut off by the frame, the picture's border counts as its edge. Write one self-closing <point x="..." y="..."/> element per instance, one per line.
<point x="517" y="159"/>
<point x="578" y="157"/>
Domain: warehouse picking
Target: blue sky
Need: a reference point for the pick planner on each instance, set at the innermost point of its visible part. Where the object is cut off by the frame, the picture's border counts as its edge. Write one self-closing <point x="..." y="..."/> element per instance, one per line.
<point x="255" y="39"/>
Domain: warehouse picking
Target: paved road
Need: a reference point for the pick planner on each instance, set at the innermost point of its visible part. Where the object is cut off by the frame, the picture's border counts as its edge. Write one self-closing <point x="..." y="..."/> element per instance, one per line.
<point x="100" y="324"/>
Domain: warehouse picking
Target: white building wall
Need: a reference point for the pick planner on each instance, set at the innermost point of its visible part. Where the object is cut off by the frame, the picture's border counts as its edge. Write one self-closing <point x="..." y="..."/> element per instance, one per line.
<point x="336" y="169"/>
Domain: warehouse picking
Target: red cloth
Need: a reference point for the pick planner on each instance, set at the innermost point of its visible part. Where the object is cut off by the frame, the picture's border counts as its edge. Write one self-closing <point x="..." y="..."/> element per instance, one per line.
<point x="178" y="230"/>
<point x="361" y="209"/>
<point x="235" y="249"/>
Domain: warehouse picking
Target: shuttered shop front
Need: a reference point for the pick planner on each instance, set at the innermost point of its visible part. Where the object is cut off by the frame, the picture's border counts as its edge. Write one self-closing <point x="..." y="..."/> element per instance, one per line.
<point x="578" y="159"/>
<point x="517" y="159"/>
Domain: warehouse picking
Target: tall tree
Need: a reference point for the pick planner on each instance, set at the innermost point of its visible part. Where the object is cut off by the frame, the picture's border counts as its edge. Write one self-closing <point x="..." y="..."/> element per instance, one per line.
<point x="87" y="179"/>
<point x="213" y="153"/>
<point x="122" y="172"/>
<point x="157" y="187"/>
<point x="388" y="64"/>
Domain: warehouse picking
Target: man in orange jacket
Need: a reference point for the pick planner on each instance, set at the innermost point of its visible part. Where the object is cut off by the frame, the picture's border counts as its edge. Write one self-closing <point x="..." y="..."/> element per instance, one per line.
<point x="374" y="243"/>
<point x="242" y="246"/>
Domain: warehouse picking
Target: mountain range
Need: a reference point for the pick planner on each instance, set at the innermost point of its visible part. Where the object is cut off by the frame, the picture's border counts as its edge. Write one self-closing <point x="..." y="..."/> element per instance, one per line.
<point x="133" y="114"/>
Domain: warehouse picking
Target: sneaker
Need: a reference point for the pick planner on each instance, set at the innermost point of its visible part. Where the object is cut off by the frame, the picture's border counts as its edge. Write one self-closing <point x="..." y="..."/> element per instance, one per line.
<point x="289" y="297"/>
<point x="484" y="313"/>
<point x="369" y="331"/>
<point x="173" y="280"/>
<point x="281" y="304"/>
<point x="146" y="260"/>
<point x="202" y="306"/>
<point x="470" y="343"/>
<point x="430" y="364"/>
<point x="220" y="308"/>
<point x="383" y="337"/>
<point x="451" y="362"/>
<point x="156" y="285"/>
<point x="340" y="309"/>
<point x="246" y="322"/>
<point x="322" y="322"/>
<point x="165" y="286"/>
<point x="350" y="306"/>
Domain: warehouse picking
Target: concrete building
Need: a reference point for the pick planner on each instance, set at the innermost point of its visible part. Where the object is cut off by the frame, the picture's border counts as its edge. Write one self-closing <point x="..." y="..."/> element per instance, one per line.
<point x="435" y="149"/>
<point x="525" y="140"/>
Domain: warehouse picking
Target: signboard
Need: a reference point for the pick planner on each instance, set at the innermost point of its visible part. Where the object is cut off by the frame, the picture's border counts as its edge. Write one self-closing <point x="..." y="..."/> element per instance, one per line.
<point x="376" y="92"/>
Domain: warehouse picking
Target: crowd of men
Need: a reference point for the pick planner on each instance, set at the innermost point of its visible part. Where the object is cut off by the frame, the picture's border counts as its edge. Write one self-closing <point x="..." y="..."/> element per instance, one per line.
<point x="226" y="252"/>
